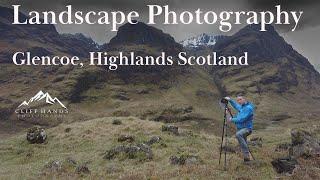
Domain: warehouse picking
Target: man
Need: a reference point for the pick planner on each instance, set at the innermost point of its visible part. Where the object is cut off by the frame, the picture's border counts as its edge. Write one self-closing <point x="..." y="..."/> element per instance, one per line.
<point x="243" y="121"/>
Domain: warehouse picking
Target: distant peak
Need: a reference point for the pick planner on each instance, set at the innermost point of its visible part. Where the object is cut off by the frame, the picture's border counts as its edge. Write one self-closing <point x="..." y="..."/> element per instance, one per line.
<point x="203" y="39"/>
<point x="141" y="33"/>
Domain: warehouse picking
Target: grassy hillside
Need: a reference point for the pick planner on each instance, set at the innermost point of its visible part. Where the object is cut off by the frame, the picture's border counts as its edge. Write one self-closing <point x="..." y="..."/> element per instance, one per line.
<point x="87" y="142"/>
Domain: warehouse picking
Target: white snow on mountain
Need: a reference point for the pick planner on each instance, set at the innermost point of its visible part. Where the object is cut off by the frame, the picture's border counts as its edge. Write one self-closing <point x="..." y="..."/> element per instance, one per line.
<point x="201" y="40"/>
<point x="41" y="96"/>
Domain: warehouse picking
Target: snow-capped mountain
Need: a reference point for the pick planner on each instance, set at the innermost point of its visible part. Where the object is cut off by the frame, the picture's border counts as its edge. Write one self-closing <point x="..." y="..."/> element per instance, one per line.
<point x="45" y="97"/>
<point x="201" y="40"/>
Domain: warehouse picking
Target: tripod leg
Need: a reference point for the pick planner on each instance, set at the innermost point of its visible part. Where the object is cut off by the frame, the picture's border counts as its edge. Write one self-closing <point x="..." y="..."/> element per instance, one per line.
<point x="251" y="154"/>
<point x="226" y="143"/>
<point x="249" y="148"/>
<point x="222" y="139"/>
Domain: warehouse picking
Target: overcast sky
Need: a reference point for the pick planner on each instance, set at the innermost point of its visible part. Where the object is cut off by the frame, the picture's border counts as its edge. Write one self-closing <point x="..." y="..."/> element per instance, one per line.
<point x="305" y="39"/>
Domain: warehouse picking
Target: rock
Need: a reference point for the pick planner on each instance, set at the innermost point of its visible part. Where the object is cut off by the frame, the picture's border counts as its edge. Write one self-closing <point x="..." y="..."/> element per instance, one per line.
<point x="284" y="165"/>
<point x="114" y="151"/>
<point x="146" y="149"/>
<point x="71" y="161"/>
<point x="170" y="128"/>
<point x="116" y="122"/>
<point x="299" y="136"/>
<point x="143" y="91"/>
<point x="36" y="135"/>
<point x="304" y="144"/>
<point x="130" y="151"/>
<point x="67" y="130"/>
<point x="127" y="138"/>
<point x="188" y="109"/>
<point x="121" y="96"/>
<point x="184" y="159"/>
<point x="82" y="169"/>
<point x="256" y="141"/>
<point x="153" y="140"/>
<point x="176" y="160"/>
<point x="283" y="147"/>
<point x="54" y="166"/>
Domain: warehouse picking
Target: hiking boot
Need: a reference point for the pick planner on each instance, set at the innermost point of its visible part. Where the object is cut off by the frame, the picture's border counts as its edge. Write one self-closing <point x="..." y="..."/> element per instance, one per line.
<point x="246" y="158"/>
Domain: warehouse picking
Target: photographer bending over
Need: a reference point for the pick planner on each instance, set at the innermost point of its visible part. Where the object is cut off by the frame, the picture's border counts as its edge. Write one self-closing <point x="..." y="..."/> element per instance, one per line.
<point x="243" y="121"/>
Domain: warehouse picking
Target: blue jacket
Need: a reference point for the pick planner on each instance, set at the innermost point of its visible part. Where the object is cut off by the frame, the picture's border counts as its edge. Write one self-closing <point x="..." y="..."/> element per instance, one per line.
<point x="244" y="117"/>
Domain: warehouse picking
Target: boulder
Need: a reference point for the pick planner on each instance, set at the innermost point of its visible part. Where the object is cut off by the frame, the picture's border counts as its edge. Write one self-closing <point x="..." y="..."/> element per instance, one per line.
<point x="82" y="169"/>
<point x="304" y="144"/>
<point x="170" y="128"/>
<point x="153" y="140"/>
<point x="130" y="151"/>
<point x="184" y="159"/>
<point x="284" y="165"/>
<point x="67" y="130"/>
<point x="54" y="166"/>
<point x="125" y="138"/>
<point x="36" y="135"/>
<point x="116" y="122"/>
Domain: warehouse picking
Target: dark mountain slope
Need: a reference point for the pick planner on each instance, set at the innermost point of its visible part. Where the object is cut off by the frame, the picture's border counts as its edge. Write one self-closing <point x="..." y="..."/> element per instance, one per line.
<point x="43" y="38"/>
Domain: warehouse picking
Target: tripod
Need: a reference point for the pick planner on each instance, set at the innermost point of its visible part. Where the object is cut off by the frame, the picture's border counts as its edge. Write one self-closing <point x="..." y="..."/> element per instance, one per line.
<point x="224" y="137"/>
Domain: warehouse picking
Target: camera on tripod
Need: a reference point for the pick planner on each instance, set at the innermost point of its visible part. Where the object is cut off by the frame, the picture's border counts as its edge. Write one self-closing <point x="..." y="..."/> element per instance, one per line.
<point x="224" y="101"/>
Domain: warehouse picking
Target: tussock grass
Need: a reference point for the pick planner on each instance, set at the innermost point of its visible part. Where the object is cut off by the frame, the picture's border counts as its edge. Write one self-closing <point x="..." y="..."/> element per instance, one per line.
<point x="87" y="142"/>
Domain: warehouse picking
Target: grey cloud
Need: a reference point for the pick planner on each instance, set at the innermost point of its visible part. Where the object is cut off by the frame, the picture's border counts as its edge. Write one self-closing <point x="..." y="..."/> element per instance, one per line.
<point x="310" y="9"/>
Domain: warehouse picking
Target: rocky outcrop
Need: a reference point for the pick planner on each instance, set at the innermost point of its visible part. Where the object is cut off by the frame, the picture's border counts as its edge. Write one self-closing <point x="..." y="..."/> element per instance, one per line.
<point x="170" y="128"/>
<point x="126" y="138"/>
<point x="82" y="169"/>
<point x="153" y="140"/>
<point x="141" y="151"/>
<point x="284" y="165"/>
<point x="53" y="166"/>
<point x="36" y="135"/>
<point x="184" y="159"/>
<point x="304" y="144"/>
